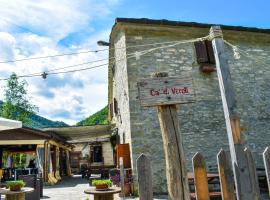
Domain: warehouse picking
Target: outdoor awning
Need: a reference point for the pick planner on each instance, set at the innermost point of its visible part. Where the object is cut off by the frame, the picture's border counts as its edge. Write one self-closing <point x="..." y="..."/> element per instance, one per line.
<point x="6" y="124"/>
<point x="82" y="134"/>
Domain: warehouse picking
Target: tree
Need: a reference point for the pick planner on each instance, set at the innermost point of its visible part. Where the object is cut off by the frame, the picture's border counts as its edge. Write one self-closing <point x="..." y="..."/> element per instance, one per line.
<point x="17" y="105"/>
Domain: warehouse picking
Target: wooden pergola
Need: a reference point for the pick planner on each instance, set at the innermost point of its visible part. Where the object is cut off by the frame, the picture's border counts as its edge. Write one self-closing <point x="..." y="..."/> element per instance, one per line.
<point x="81" y="134"/>
<point x="51" y="151"/>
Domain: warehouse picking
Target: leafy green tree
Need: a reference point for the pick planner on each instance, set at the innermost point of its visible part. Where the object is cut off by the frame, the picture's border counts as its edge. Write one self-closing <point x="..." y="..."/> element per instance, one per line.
<point x="100" y="117"/>
<point x="16" y="104"/>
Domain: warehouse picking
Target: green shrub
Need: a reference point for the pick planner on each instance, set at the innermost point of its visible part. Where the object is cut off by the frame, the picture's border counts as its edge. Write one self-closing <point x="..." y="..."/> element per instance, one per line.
<point x="20" y="183"/>
<point x="102" y="182"/>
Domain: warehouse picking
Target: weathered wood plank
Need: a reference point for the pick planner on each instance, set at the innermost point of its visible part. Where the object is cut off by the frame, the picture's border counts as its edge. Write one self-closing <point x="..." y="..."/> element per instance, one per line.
<point x="253" y="174"/>
<point x="166" y="90"/>
<point x="174" y="153"/>
<point x="225" y="176"/>
<point x="266" y="159"/>
<point x="122" y="177"/>
<point x="200" y="177"/>
<point x="243" y="182"/>
<point x="144" y="171"/>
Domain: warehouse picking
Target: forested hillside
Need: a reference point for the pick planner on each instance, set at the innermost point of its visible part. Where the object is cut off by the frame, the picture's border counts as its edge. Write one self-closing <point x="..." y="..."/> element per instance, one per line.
<point x="100" y="117"/>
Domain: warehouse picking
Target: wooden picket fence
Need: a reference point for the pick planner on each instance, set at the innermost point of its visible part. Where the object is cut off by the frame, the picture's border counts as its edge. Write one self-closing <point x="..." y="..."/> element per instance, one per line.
<point x="226" y="179"/>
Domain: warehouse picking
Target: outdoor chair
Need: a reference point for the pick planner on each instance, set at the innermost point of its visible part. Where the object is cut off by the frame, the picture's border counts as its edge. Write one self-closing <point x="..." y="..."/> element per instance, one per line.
<point x="34" y="182"/>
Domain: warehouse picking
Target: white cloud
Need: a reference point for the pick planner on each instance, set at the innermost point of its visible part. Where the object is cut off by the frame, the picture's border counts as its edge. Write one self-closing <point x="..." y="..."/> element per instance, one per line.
<point x="54" y="18"/>
<point x="65" y="97"/>
<point x="7" y="43"/>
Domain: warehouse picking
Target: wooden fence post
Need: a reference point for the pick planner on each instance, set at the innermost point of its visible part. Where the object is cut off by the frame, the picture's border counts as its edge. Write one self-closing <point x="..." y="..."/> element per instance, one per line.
<point x="266" y="159"/>
<point x="165" y="92"/>
<point x="144" y="171"/>
<point x="200" y="177"/>
<point x="122" y="177"/>
<point x="244" y="186"/>
<point x="225" y="176"/>
<point x="253" y="174"/>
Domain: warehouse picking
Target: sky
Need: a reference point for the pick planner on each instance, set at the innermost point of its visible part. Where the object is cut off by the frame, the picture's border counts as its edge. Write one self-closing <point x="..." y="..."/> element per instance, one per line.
<point x="36" y="28"/>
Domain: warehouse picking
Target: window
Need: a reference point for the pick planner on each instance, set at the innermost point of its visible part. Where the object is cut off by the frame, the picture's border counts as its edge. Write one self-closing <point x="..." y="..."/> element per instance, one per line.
<point x="124" y="138"/>
<point x="113" y="69"/>
<point x="111" y="110"/>
<point x="96" y="153"/>
<point x="205" y="56"/>
<point x="115" y="106"/>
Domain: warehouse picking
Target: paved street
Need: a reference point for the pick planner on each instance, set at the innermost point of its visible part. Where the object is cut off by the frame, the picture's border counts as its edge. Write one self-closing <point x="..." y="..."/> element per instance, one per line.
<point x="72" y="189"/>
<point x="67" y="189"/>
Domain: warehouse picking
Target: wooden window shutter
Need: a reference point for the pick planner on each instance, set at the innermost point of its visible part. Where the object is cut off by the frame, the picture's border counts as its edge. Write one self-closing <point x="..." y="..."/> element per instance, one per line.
<point x="210" y="52"/>
<point x="201" y="51"/>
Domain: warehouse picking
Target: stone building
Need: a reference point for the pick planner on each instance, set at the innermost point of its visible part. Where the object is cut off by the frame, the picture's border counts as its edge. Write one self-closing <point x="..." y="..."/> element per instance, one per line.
<point x="91" y="145"/>
<point x="202" y="122"/>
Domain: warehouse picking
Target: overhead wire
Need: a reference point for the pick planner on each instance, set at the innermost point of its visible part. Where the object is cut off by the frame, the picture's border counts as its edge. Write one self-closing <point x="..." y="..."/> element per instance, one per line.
<point x="52" y="56"/>
<point x="140" y="53"/>
<point x="83" y="52"/>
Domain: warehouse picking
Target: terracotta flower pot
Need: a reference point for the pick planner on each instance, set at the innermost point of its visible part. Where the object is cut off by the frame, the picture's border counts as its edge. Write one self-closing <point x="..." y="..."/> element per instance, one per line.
<point x="102" y="187"/>
<point x="15" y="188"/>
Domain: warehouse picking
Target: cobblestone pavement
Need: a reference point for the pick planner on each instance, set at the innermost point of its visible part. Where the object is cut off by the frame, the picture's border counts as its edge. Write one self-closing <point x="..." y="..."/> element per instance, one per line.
<point x="69" y="189"/>
<point x="72" y="189"/>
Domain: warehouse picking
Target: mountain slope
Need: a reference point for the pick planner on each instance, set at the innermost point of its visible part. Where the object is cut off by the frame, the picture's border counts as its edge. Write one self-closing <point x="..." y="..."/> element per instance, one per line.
<point x="38" y="122"/>
<point x="100" y="117"/>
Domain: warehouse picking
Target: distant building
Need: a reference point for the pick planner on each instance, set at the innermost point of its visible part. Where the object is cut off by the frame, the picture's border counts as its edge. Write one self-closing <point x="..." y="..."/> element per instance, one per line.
<point x="202" y="122"/>
<point x="92" y="145"/>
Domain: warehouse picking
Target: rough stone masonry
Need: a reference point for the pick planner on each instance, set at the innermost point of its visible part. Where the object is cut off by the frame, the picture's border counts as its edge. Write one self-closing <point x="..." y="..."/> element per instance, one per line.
<point x="202" y="122"/>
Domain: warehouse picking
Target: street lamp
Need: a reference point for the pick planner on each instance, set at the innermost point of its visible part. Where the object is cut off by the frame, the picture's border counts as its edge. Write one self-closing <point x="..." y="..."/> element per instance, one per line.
<point x="103" y="43"/>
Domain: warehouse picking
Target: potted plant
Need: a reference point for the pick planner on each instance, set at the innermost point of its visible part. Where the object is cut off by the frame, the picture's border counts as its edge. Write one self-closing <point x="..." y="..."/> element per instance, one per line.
<point x="15" y="185"/>
<point x="102" y="184"/>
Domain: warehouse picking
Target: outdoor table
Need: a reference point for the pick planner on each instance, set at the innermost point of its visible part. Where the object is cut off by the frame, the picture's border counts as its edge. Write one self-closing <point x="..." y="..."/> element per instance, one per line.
<point x="103" y="195"/>
<point x="16" y="195"/>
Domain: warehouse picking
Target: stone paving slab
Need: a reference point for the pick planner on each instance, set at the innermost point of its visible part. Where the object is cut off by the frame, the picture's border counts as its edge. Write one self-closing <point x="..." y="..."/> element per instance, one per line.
<point x="72" y="189"/>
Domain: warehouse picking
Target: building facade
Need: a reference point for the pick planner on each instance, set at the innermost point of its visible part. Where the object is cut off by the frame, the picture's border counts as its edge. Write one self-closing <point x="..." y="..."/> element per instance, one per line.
<point x="141" y="47"/>
<point x="92" y="145"/>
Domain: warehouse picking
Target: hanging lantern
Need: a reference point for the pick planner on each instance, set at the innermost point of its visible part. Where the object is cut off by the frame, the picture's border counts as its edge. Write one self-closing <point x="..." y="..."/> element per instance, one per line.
<point x="44" y="75"/>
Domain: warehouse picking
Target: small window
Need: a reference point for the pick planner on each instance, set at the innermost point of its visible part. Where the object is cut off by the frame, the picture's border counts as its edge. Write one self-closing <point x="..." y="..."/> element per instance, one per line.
<point x="111" y="110"/>
<point x="124" y="138"/>
<point x="205" y="55"/>
<point x="113" y="69"/>
<point x="115" y="106"/>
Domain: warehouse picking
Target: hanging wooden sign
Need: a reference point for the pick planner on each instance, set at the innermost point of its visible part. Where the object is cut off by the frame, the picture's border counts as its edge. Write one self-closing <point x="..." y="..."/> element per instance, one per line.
<point x="166" y="91"/>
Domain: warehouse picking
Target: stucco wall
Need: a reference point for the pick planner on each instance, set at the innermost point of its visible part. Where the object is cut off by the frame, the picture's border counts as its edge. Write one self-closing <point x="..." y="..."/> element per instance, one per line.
<point x="107" y="153"/>
<point x="202" y="122"/>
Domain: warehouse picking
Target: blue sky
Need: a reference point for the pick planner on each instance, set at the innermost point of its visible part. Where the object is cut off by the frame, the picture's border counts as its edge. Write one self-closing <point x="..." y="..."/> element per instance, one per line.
<point x="61" y="26"/>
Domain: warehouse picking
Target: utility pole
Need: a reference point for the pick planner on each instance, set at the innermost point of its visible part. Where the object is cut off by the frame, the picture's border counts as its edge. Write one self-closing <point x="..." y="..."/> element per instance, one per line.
<point x="245" y="177"/>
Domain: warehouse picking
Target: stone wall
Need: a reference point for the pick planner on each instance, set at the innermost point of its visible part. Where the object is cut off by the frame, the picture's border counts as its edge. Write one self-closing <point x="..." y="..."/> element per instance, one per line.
<point x="120" y="90"/>
<point x="202" y="123"/>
